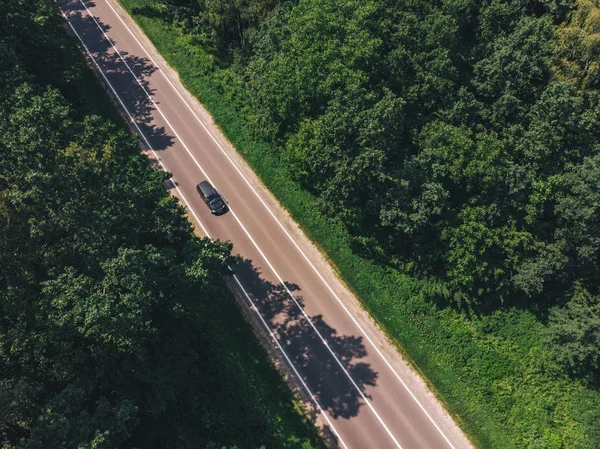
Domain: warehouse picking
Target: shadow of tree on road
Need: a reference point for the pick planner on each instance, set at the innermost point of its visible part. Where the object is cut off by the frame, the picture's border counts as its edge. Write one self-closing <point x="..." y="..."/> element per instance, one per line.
<point x="133" y="88"/>
<point x="326" y="377"/>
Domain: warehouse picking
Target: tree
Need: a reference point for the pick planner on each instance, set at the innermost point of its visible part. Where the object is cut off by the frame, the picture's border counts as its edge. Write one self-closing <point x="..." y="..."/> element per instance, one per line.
<point x="578" y="45"/>
<point x="578" y="209"/>
<point x="574" y="330"/>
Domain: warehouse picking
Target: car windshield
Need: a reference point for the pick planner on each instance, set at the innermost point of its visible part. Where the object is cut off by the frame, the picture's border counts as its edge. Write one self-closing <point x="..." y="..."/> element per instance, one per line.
<point x="216" y="201"/>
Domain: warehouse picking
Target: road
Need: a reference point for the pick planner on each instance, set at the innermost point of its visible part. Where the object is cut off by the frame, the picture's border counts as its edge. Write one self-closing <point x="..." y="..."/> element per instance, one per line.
<point x="362" y="390"/>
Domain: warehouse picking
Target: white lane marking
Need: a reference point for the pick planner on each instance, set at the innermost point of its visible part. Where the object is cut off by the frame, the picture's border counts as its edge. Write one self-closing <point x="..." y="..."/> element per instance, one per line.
<point x="252" y="306"/>
<point x="364" y="397"/>
<point x="284" y="230"/>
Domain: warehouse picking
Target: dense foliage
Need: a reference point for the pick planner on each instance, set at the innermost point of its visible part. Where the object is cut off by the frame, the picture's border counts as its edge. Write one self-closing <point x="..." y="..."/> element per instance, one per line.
<point x="457" y="140"/>
<point x="112" y="331"/>
<point x="444" y="155"/>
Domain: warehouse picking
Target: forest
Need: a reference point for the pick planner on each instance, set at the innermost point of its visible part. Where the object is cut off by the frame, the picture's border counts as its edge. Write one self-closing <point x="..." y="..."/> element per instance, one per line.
<point x="451" y="144"/>
<point x="457" y="140"/>
<point x="116" y="328"/>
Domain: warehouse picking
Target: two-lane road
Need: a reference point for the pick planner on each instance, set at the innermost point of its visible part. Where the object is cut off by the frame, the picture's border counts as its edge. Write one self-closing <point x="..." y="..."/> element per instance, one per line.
<point x="366" y="394"/>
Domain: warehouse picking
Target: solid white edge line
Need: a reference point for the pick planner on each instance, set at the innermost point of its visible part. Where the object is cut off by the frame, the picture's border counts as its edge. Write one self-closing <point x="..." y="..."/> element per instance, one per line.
<point x="285" y="230"/>
<point x="364" y="397"/>
<point x="252" y="306"/>
<point x="290" y="363"/>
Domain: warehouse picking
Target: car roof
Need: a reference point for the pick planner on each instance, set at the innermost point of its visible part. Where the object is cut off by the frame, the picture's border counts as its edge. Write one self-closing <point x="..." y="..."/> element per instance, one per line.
<point x="206" y="188"/>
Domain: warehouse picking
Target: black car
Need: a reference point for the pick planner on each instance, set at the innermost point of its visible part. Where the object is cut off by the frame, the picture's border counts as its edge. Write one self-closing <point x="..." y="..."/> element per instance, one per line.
<point x="212" y="198"/>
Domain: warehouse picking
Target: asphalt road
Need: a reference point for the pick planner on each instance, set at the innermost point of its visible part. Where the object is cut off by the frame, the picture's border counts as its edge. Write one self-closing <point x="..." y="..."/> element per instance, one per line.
<point x="364" y="392"/>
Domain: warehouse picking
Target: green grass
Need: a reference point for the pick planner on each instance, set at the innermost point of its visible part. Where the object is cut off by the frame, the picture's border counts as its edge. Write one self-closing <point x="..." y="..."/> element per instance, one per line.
<point x="493" y="372"/>
<point x="97" y="102"/>
<point x="250" y="405"/>
<point x="82" y="87"/>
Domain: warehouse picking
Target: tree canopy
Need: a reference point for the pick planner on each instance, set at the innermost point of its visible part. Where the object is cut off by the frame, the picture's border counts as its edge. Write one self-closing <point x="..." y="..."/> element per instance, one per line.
<point x="455" y="140"/>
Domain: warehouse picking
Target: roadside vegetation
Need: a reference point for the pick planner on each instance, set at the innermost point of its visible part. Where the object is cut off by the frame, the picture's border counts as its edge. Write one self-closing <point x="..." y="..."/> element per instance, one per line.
<point x="116" y="328"/>
<point x="446" y="157"/>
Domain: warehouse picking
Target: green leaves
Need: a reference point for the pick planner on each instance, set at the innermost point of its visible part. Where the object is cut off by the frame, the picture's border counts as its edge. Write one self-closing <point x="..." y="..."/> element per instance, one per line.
<point x="578" y="211"/>
<point x="514" y="70"/>
<point x="578" y="45"/>
<point x="574" y="330"/>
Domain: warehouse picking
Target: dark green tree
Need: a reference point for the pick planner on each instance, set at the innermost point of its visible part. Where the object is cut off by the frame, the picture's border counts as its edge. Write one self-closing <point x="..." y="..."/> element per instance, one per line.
<point x="574" y="330"/>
